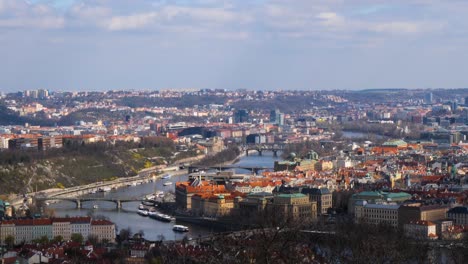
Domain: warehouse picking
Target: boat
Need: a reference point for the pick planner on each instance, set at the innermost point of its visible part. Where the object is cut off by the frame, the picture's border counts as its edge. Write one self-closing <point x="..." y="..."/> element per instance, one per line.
<point x="160" y="217"/>
<point x="143" y="212"/>
<point x="95" y="206"/>
<point x="47" y="203"/>
<point x="180" y="228"/>
<point x="105" y="189"/>
<point x="167" y="176"/>
<point x="150" y="197"/>
<point x="142" y="207"/>
<point x="167" y="183"/>
<point x="160" y="194"/>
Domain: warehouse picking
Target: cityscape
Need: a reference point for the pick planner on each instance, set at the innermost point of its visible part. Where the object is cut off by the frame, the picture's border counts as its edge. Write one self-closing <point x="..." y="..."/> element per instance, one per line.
<point x="225" y="167"/>
<point x="227" y="131"/>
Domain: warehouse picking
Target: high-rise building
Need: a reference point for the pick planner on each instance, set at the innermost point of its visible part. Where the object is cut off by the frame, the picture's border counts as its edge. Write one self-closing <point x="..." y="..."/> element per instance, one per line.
<point x="241" y="116"/>
<point x="428" y="98"/>
<point x="276" y="117"/>
<point x="43" y="94"/>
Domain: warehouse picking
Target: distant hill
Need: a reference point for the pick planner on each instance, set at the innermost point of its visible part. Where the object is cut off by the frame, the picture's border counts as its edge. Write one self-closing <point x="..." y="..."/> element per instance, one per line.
<point x="10" y="117"/>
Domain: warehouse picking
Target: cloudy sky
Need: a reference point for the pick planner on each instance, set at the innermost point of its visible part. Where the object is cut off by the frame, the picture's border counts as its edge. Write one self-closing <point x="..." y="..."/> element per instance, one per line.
<point x="253" y="44"/>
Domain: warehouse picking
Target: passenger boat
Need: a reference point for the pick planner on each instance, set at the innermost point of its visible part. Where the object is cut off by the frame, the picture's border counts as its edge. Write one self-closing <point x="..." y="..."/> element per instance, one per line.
<point x="167" y="176"/>
<point x="95" y="206"/>
<point x="167" y="183"/>
<point x="160" y="217"/>
<point x="143" y="212"/>
<point x="180" y="228"/>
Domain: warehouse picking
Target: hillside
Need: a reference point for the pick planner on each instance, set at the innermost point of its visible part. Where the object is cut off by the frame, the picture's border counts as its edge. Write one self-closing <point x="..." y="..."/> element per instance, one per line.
<point x="26" y="171"/>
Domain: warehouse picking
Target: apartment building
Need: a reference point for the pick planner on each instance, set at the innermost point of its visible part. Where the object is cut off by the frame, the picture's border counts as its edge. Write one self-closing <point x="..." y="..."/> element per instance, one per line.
<point x="27" y="230"/>
<point x="103" y="230"/>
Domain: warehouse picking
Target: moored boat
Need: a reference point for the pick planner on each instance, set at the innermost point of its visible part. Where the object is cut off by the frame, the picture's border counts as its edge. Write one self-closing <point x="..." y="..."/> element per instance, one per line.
<point x="167" y="183"/>
<point x="143" y="212"/>
<point x="160" y="217"/>
<point x="180" y="228"/>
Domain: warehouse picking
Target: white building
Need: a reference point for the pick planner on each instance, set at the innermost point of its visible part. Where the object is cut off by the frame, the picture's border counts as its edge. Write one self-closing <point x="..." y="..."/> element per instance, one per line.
<point x="420" y="230"/>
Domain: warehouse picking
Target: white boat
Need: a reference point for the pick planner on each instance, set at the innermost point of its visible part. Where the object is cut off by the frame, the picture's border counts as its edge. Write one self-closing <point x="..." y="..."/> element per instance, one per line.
<point x="141" y="207"/>
<point x="180" y="228"/>
<point x="143" y="212"/>
<point x="167" y="176"/>
<point x="47" y="203"/>
<point x="160" y="194"/>
<point x="95" y="206"/>
<point x="160" y="217"/>
<point x="167" y="183"/>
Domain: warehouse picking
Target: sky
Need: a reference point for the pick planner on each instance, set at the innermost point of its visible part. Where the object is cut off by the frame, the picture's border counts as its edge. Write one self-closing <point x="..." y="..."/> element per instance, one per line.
<point x="230" y="44"/>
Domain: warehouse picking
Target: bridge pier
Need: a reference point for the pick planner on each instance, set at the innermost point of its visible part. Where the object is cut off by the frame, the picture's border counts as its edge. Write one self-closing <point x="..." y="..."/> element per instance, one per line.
<point x="260" y="152"/>
<point x="246" y="152"/>
<point x="275" y="153"/>
<point x="119" y="204"/>
<point x="78" y="204"/>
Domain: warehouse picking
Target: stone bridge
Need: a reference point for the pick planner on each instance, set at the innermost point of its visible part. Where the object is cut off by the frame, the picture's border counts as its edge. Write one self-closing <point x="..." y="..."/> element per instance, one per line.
<point x="79" y="201"/>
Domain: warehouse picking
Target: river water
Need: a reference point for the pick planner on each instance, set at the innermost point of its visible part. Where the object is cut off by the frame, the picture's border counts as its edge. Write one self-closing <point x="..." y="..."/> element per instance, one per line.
<point x="127" y="216"/>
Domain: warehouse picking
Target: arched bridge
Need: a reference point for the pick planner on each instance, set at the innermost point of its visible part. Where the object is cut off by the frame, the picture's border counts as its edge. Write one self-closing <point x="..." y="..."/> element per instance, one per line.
<point x="254" y="169"/>
<point x="260" y="148"/>
<point x="79" y="201"/>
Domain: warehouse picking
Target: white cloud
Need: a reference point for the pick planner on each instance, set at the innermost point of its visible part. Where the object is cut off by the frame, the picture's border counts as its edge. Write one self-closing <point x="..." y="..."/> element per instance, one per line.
<point x="20" y="14"/>
<point x="331" y="19"/>
<point x="131" y="22"/>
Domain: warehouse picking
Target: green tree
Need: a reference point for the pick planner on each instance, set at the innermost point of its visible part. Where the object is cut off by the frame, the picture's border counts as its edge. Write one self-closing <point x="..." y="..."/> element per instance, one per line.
<point x="57" y="239"/>
<point x="77" y="237"/>
<point x="10" y="241"/>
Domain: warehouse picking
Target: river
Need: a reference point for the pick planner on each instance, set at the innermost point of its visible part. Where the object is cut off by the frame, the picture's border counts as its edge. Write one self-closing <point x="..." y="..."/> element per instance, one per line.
<point x="127" y="216"/>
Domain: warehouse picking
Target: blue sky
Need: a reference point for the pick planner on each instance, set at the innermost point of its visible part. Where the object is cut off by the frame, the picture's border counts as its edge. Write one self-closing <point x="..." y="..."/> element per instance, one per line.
<point x="253" y="44"/>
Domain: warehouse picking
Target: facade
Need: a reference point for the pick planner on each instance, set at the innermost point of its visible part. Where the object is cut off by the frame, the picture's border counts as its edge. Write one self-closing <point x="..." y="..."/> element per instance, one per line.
<point x="417" y="212"/>
<point x="376" y="214"/>
<point x="296" y="206"/>
<point x="80" y="225"/>
<point x="61" y="227"/>
<point x="212" y="205"/>
<point x="103" y="230"/>
<point x="375" y="197"/>
<point x="459" y="214"/>
<point x="27" y="230"/>
<point x="185" y="191"/>
<point x="7" y="228"/>
<point x="323" y="197"/>
<point x="420" y="229"/>
<point x="253" y="205"/>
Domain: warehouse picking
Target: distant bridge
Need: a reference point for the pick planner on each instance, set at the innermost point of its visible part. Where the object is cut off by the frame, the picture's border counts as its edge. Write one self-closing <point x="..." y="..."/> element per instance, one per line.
<point x="260" y="148"/>
<point x="254" y="169"/>
<point x="79" y="201"/>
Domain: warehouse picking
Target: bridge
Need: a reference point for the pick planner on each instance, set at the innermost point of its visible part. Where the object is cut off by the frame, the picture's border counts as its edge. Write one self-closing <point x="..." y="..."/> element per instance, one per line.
<point x="79" y="201"/>
<point x="254" y="169"/>
<point x="260" y="148"/>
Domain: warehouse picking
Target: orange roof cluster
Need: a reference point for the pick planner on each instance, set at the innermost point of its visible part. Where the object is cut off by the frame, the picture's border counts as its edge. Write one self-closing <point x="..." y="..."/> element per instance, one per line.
<point x="205" y="187"/>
